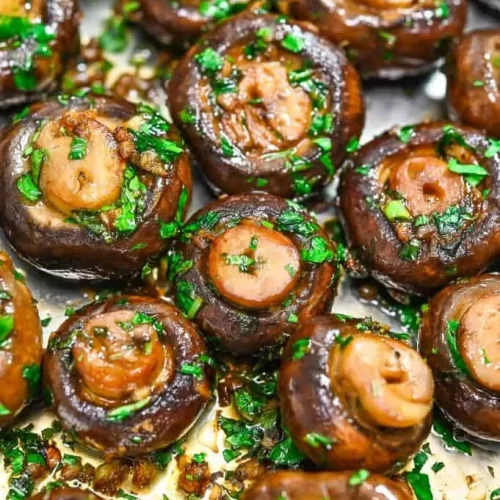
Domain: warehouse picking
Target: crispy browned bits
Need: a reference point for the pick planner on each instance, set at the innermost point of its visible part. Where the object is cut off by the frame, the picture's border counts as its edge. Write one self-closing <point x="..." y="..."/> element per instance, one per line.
<point x="421" y="205"/>
<point x="321" y="485"/>
<point x="127" y="376"/>
<point x="267" y="105"/>
<point x="386" y="38"/>
<point x="459" y="339"/>
<point x="181" y="23"/>
<point x="249" y="268"/>
<point x="21" y="340"/>
<point x="66" y="494"/>
<point x="88" y="183"/>
<point x="352" y="396"/>
<point x="37" y="40"/>
<point x="473" y="72"/>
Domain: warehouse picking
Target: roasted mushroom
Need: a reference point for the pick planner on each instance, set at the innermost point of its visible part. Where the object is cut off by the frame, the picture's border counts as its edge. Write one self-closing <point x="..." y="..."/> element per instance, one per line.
<point x="459" y="339"/>
<point x="325" y="485"/>
<point x="386" y="38"/>
<point x="20" y="343"/>
<point x="87" y="183"/>
<point x="421" y="205"/>
<point x="473" y="95"/>
<point x="126" y="376"/>
<point x="66" y="494"/>
<point x="353" y="396"/>
<point x="248" y="268"/>
<point x="266" y="105"/>
<point x="36" y="40"/>
<point x="182" y="22"/>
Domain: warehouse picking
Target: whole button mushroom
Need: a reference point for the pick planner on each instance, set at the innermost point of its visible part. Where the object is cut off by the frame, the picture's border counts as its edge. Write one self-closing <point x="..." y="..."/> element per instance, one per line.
<point x="181" y="23"/>
<point x="20" y="343"/>
<point x="420" y="205"/>
<point x="267" y="105"/>
<point x="87" y="183"/>
<point x="322" y="485"/>
<point x="36" y="40"/>
<point x="248" y="269"/>
<point x="473" y="71"/>
<point x="459" y="338"/>
<point x="386" y="38"/>
<point x="354" y="397"/>
<point x="126" y="376"/>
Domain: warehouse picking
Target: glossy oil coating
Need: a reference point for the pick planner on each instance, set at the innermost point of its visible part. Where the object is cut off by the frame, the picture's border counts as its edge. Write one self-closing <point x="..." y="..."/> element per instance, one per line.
<point x="66" y="494"/>
<point x="276" y="111"/>
<point x="138" y="386"/>
<point x="21" y="342"/>
<point x="386" y="38"/>
<point x="473" y="71"/>
<point x="324" y="485"/>
<point x="254" y="295"/>
<point x="97" y="217"/>
<point x="179" y="23"/>
<point x="459" y="338"/>
<point x="411" y="217"/>
<point x="331" y="418"/>
<point x="62" y="19"/>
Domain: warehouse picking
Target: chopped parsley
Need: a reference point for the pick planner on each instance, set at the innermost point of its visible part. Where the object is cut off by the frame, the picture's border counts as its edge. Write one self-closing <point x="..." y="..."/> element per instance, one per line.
<point x="451" y="339"/>
<point x="395" y="210"/>
<point x="27" y="187"/>
<point x="123" y="412"/>
<point x="6" y="326"/>
<point x="209" y="61"/>
<point x="359" y="477"/>
<point x="300" y="348"/>
<point x="193" y="370"/>
<point x="410" y="251"/>
<point x="186" y="299"/>
<point x="473" y="174"/>
<point x="78" y="149"/>
<point x="293" y="43"/>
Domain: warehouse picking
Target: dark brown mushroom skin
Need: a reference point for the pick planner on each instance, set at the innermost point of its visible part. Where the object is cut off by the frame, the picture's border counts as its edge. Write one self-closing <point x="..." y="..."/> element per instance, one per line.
<point x="46" y="235"/>
<point x="385" y="38"/>
<point x="96" y="363"/>
<point x="228" y="314"/>
<point x="473" y="75"/>
<point x="66" y="494"/>
<point x="463" y="313"/>
<point x="60" y="16"/>
<point x="181" y="23"/>
<point x="312" y="405"/>
<point x="449" y="228"/>
<point x="275" y="131"/>
<point x="321" y="485"/>
<point x="21" y="346"/>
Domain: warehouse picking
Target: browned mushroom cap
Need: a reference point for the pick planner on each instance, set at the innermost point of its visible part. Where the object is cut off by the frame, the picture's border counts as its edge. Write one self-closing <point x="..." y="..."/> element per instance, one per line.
<point x="89" y="183"/>
<point x="473" y="70"/>
<point x="459" y="338"/>
<point x="386" y="38"/>
<point x="66" y="494"/>
<point x="266" y="105"/>
<point x="420" y="205"/>
<point x="36" y="41"/>
<point x="352" y="396"/>
<point x="181" y="23"/>
<point x="126" y="376"/>
<point x="249" y="268"/>
<point x="324" y="485"/>
<point x="20" y="342"/>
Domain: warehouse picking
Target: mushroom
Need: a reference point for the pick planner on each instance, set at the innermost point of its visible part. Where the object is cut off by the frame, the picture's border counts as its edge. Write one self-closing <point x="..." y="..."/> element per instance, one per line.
<point x="181" y="23"/>
<point x="267" y="105"/>
<point x="473" y="95"/>
<point x="36" y="42"/>
<point x="88" y="183"/>
<point x="420" y="205"/>
<point x="126" y="376"/>
<point x="20" y="343"/>
<point x="386" y="38"/>
<point x="66" y="494"/>
<point x="322" y="485"/>
<point x="459" y="338"/>
<point x="249" y="268"/>
<point x="352" y="396"/>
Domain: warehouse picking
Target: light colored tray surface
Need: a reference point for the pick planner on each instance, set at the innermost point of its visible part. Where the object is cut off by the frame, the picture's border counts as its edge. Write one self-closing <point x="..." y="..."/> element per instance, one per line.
<point x="388" y="104"/>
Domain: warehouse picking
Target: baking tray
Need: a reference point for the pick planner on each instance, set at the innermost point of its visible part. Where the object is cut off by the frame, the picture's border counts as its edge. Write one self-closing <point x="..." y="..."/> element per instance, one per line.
<point x="389" y="104"/>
